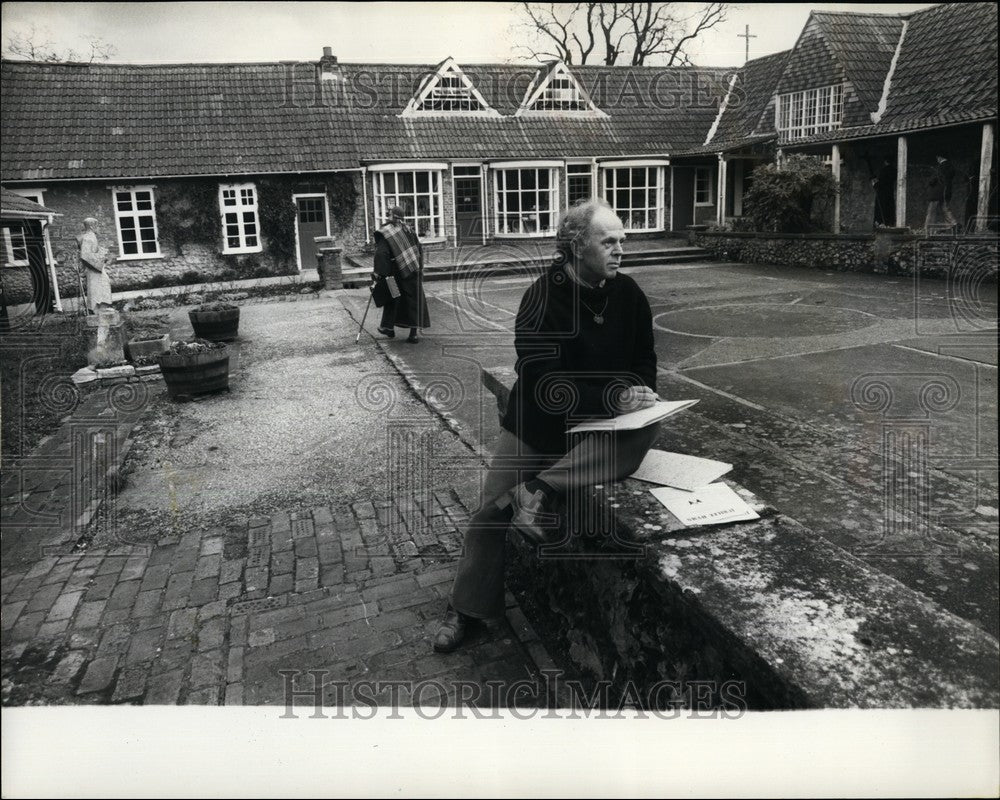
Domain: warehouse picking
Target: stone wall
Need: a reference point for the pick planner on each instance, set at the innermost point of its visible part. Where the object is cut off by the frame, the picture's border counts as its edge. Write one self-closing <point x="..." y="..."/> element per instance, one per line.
<point x="892" y="253"/>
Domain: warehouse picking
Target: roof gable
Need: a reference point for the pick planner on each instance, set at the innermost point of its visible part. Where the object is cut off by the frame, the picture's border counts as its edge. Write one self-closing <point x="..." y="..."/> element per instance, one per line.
<point x="864" y="45"/>
<point x="555" y="90"/>
<point x="448" y="91"/>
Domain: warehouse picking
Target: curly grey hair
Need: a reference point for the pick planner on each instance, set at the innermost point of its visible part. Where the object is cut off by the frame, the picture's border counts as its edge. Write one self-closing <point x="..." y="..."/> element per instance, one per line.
<point x="574" y="225"/>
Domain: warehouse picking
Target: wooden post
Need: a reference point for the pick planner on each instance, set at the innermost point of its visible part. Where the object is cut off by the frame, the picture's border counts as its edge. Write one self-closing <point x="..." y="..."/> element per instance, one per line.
<point x="901" y="182"/>
<point x="835" y="167"/>
<point x="738" y="168"/>
<point x="985" y="164"/>
<point x="720" y="210"/>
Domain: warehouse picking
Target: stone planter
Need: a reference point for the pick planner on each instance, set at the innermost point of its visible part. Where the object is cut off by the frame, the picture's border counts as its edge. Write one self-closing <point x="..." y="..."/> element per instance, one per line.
<point x="146" y="347"/>
<point x="217" y="322"/>
<point x="193" y="373"/>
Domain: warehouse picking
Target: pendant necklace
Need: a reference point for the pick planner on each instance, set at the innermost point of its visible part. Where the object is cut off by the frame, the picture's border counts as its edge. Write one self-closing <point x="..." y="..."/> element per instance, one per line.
<point x="598" y="315"/>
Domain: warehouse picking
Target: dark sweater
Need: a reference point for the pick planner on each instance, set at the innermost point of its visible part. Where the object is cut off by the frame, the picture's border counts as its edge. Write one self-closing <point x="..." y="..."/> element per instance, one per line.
<point x="569" y="367"/>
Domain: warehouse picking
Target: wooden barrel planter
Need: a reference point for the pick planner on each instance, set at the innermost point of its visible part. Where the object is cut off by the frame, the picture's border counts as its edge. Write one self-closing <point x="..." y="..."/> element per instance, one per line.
<point x="188" y="371"/>
<point x="217" y="322"/>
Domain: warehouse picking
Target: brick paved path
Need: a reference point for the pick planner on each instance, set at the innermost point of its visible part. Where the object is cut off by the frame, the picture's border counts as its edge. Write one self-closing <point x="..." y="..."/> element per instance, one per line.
<point x="211" y="617"/>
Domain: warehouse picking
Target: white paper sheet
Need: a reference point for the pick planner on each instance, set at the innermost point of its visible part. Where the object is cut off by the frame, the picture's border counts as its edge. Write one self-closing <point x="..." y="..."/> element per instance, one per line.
<point x="707" y="505"/>
<point x="635" y="419"/>
<point x="679" y="470"/>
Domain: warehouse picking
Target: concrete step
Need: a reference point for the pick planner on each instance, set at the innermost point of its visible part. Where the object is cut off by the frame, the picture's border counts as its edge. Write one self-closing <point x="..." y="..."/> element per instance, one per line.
<point x="357" y="272"/>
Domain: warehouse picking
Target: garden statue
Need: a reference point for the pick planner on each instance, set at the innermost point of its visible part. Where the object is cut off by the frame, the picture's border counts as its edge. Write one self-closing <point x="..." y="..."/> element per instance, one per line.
<point x="94" y="259"/>
<point x="106" y="324"/>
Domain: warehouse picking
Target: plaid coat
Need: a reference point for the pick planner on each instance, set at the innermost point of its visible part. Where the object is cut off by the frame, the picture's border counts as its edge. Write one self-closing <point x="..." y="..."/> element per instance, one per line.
<point x="405" y="247"/>
<point x="397" y="245"/>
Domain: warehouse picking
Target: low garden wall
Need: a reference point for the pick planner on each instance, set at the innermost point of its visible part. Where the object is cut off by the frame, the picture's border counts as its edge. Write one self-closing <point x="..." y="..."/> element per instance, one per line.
<point x="764" y="614"/>
<point x="889" y="253"/>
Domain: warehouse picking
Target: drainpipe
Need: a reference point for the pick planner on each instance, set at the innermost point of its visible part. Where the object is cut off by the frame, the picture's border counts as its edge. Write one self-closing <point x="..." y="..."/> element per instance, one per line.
<point x="364" y="194"/>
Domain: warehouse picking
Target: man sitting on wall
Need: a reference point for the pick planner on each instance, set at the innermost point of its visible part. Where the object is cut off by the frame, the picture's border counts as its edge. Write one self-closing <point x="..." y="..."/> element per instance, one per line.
<point x="584" y="341"/>
<point x="399" y="257"/>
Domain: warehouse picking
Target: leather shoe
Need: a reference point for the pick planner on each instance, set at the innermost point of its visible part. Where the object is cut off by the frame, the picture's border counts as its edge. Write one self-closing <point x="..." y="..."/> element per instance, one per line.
<point x="452" y="631"/>
<point x="387" y="332"/>
<point x="530" y="517"/>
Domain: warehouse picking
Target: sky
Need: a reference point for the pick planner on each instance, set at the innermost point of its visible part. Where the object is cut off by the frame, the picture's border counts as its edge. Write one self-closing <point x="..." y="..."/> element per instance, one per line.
<point x="414" y="32"/>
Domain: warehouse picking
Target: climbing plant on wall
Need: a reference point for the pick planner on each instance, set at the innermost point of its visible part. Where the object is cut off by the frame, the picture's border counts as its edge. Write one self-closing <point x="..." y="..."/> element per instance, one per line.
<point x="277" y="218"/>
<point x="343" y="196"/>
<point x="188" y="212"/>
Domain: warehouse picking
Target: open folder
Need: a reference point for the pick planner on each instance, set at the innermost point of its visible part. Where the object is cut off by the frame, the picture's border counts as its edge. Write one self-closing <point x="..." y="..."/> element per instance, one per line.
<point x="635" y="419"/>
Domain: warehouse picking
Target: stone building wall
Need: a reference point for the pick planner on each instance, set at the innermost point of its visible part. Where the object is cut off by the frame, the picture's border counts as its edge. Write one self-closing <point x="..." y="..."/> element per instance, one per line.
<point x="188" y="262"/>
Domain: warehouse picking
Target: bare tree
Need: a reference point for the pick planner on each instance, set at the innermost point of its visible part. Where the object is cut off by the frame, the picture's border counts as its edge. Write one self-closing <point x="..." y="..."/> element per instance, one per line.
<point x="635" y="31"/>
<point x="34" y="45"/>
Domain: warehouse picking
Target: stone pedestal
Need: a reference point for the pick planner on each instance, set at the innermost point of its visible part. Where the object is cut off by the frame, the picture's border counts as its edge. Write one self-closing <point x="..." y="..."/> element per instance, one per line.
<point x="106" y="336"/>
<point x="330" y="267"/>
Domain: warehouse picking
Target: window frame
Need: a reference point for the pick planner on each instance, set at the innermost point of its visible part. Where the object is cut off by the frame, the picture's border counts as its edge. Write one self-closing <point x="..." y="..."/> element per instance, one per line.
<point x="434" y="193"/>
<point x="502" y="190"/>
<point x="579" y="169"/>
<point x="657" y="209"/>
<point x="135" y="213"/>
<point x="240" y="209"/>
<point x="707" y="172"/>
<point x="9" y="245"/>
<point x="809" y="111"/>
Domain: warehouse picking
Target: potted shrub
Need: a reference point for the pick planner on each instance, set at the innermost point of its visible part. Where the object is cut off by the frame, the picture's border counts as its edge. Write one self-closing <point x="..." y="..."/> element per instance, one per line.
<point x="195" y="367"/>
<point x="217" y="322"/>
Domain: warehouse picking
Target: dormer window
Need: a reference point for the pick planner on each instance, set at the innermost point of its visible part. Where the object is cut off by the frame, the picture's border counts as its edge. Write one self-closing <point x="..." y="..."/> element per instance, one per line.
<point x="448" y="91"/>
<point x="555" y="90"/>
<point x="811" y="111"/>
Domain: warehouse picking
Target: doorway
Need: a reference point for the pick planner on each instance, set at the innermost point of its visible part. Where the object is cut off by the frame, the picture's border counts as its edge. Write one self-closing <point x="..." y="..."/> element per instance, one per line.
<point x="312" y="218"/>
<point x="469" y="208"/>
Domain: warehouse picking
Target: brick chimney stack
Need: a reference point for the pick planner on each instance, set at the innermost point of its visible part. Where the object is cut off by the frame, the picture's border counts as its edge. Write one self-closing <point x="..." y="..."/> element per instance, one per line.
<point x="329" y="70"/>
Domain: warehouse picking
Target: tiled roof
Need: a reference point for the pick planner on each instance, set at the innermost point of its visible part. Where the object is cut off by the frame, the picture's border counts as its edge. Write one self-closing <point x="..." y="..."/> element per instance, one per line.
<point x="864" y="45"/>
<point x="12" y="204"/>
<point x="650" y="111"/>
<point x="947" y="65"/>
<point x="109" y="121"/>
<point x="750" y="96"/>
<point x="946" y="74"/>
<point x="102" y="120"/>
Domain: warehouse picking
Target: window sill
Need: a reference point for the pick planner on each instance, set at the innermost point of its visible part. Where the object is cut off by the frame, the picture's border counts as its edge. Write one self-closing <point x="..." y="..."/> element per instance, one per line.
<point x="538" y="235"/>
<point x="242" y="251"/>
<point x="704" y="205"/>
<point x="141" y="257"/>
<point x="433" y="240"/>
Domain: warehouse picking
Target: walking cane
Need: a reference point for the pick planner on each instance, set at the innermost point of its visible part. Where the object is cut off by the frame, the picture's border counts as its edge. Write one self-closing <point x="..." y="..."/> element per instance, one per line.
<point x="362" y="325"/>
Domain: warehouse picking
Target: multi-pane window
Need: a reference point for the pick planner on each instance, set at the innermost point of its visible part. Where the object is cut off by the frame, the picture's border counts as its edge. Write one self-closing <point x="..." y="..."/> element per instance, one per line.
<point x="15" y="247"/>
<point x="450" y="93"/>
<point x="311" y="209"/>
<point x="811" y="111"/>
<point x="636" y="194"/>
<point x="703" y="186"/>
<point x="579" y="183"/>
<point x="135" y="215"/>
<point x="527" y="201"/>
<point x="240" y="225"/>
<point x="418" y="192"/>
<point x="560" y="94"/>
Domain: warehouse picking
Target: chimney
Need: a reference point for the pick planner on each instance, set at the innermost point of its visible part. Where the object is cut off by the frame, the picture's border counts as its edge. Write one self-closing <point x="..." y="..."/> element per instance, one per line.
<point x="328" y="67"/>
